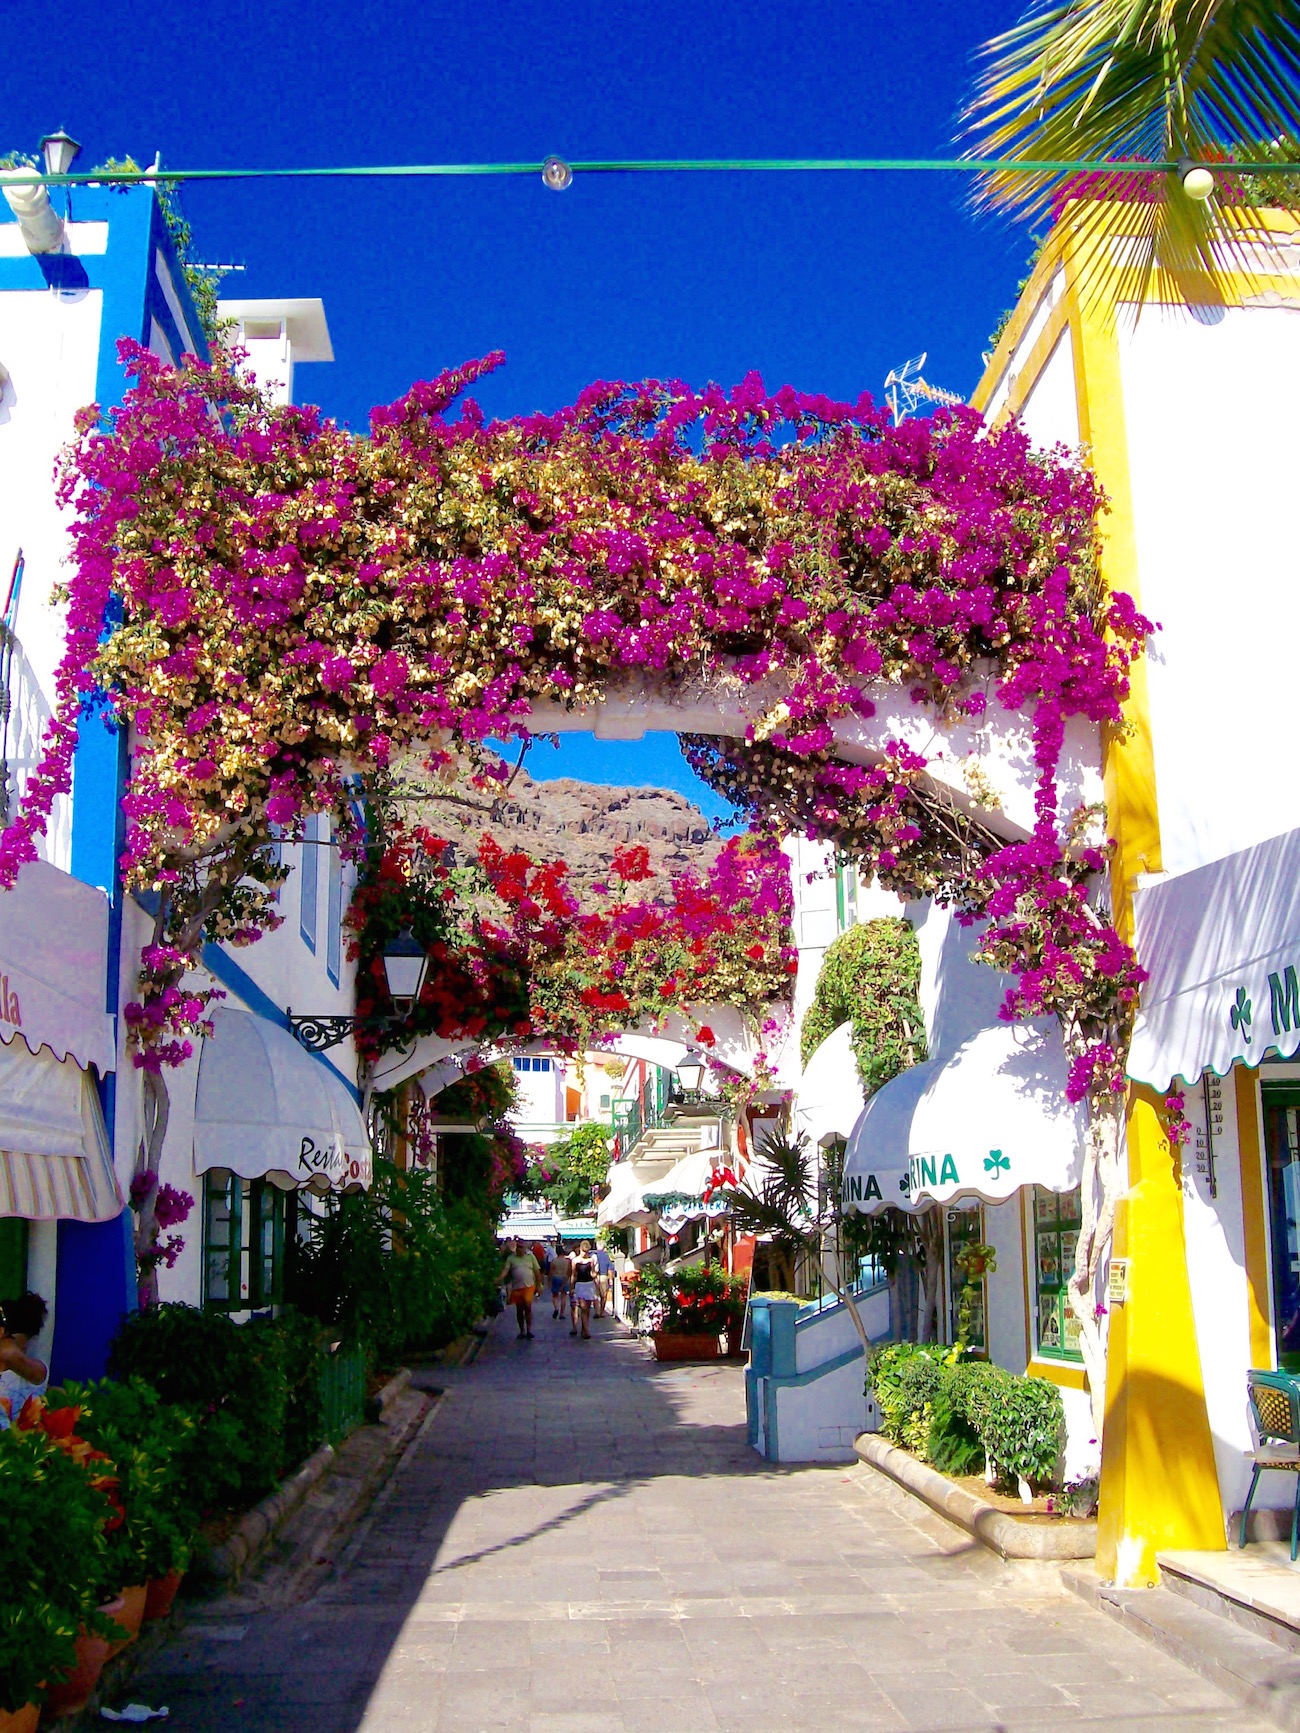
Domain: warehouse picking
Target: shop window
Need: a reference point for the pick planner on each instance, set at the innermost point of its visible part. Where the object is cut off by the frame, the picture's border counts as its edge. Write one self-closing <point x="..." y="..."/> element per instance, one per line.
<point x="13" y="1257"/>
<point x="1057" y="1217"/>
<point x="246" y="1226"/>
<point x="965" y="1225"/>
<point x="1282" y="1146"/>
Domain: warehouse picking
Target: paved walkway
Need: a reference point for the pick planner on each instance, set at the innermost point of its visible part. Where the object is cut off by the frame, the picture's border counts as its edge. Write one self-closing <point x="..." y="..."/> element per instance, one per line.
<point x="579" y="1541"/>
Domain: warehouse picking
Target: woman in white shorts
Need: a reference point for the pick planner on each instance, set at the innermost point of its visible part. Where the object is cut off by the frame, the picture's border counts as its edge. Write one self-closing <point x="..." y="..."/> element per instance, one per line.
<point x="584" y="1289"/>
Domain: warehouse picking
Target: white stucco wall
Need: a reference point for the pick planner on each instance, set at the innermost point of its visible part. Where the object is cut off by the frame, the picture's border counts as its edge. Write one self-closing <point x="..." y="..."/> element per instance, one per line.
<point x="49" y="346"/>
<point x="1210" y="420"/>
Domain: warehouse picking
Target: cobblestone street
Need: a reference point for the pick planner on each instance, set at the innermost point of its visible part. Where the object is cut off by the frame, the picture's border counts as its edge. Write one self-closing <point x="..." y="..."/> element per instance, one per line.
<point x="579" y="1541"/>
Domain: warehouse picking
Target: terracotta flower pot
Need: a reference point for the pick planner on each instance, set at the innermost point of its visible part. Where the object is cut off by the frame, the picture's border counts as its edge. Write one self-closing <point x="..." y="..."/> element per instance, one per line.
<point x="734" y="1338"/>
<point x="73" y="1689"/>
<point x="127" y="1612"/>
<point x="161" y="1594"/>
<point x="675" y="1347"/>
<point x="20" y="1720"/>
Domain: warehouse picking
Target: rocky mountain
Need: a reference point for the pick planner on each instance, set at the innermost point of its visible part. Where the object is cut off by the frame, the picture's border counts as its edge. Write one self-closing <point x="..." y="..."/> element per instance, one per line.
<point x="581" y="823"/>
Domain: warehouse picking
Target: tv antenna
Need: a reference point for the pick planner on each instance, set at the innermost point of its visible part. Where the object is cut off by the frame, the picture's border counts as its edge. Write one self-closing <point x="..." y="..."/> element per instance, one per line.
<point x="905" y="390"/>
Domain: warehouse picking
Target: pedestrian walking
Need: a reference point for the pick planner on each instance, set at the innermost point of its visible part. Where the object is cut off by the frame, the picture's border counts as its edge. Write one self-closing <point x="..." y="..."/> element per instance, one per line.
<point x="521" y="1276"/>
<point x="561" y="1269"/>
<point x="604" y="1270"/>
<point x="584" y="1289"/>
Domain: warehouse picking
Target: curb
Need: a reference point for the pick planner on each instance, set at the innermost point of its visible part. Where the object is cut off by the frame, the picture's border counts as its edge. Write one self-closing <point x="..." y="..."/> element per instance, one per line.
<point x="227" y="1560"/>
<point x="230" y="1558"/>
<point x="1254" y="1670"/>
<point x="1011" y="1537"/>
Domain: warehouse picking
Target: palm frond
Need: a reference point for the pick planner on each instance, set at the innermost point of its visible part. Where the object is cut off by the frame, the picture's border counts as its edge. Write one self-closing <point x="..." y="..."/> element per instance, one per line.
<point x="1144" y="81"/>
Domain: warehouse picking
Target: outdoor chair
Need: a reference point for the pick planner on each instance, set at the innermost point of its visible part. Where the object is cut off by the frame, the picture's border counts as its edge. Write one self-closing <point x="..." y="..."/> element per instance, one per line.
<point x="1275" y="1410"/>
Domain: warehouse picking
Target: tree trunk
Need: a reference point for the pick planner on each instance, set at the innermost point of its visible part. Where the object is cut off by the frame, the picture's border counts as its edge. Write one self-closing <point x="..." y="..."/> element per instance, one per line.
<point x="930" y="1227"/>
<point x="1098" y="1192"/>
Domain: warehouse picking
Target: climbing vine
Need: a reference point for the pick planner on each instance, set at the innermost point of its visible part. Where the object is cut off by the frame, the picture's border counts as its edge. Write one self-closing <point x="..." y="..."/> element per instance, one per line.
<point x="870" y="977"/>
<point x="294" y="606"/>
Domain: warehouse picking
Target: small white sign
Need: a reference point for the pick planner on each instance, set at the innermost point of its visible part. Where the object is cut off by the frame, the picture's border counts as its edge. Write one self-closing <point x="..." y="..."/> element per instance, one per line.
<point x="1117" y="1284"/>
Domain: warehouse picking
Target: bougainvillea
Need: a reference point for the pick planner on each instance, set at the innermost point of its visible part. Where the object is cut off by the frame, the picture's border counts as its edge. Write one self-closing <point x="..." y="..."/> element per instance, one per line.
<point x="294" y="605"/>
<point x="514" y="956"/>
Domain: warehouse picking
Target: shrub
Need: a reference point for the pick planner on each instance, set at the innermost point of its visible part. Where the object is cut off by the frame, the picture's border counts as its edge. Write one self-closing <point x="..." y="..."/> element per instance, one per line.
<point x="400" y="1266"/>
<point x="55" y="1562"/>
<point x="1021" y="1424"/>
<point x="147" y="1440"/>
<point x="870" y="977"/>
<point x="233" y="1378"/>
<point x="951" y="1442"/>
<point x="956" y="1413"/>
<point x="905" y="1378"/>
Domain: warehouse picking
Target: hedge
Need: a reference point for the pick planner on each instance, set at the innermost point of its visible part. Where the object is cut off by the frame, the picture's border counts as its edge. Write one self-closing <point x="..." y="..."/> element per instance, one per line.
<point x="953" y="1412"/>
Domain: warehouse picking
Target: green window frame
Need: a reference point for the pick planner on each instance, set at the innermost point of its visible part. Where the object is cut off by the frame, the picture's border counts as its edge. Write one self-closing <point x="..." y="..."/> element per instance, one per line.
<point x="1282" y="1200"/>
<point x="965" y="1225"/>
<point x="13" y="1257"/>
<point x="247" y="1224"/>
<point x="1058" y="1217"/>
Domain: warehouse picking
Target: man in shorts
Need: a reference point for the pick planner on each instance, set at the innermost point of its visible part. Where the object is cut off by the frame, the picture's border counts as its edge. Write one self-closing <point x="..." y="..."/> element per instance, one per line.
<point x="521" y="1277"/>
<point x="561" y="1267"/>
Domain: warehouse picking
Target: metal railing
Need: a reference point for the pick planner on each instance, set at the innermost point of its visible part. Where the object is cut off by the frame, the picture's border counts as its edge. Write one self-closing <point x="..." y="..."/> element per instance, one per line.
<point x="342" y="1393"/>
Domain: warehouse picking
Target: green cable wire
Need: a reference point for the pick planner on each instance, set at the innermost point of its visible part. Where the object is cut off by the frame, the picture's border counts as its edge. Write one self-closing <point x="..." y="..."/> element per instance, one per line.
<point x="716" y="165"/>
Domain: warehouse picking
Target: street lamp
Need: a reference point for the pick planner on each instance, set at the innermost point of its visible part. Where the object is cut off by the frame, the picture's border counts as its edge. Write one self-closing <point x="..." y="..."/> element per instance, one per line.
<point x="1198" y="181"/>
<point x="60" y="151"/>
<point x="690" y="1072"/>
<point x="557" y="174"/>
<point x="406" y="963"/>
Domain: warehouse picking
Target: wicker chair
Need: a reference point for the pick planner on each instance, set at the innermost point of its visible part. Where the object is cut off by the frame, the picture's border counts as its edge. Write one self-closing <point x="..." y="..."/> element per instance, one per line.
<point x="1275" y="1410"/>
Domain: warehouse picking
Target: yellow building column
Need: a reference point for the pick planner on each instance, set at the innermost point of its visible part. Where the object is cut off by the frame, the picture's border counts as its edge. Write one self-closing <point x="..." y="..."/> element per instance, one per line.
<point x="1159" y="1483"/>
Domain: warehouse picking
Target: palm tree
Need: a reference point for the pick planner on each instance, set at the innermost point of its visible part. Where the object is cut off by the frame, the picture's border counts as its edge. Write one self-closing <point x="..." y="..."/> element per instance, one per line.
<point x="1159" y="81"/>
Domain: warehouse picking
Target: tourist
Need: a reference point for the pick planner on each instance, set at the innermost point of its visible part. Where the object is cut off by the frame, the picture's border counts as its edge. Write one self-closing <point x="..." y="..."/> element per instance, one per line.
<point x="561" y="1268"/>
<point x="604" y="1271"/>
<point x="21" y="1374"/>
<point x="521" y="1277"/>
<point x="584" y="1289"/>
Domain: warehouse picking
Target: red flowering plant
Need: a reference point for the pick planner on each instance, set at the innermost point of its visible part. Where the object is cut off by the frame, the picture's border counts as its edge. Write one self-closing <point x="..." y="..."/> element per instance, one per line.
<point x="514" y="957"/>
<point x="295" y="606"/>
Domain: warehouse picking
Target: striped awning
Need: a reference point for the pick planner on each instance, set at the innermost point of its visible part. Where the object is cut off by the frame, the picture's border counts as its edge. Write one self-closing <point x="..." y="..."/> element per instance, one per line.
<point x="55" y="1160"/>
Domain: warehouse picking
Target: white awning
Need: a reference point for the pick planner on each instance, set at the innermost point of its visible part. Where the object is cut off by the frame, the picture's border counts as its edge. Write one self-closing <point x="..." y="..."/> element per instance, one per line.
<point x="55" y="1160"/>
<point x="624" y="1202"/>
<point x="265" y="1109"/>
<point x="54" y="966"/>
<point x="983" y="1123"/>
<point x="829" y="1100"/>
<point x="1221" y="945"/>
<point x="680" y="1193"/>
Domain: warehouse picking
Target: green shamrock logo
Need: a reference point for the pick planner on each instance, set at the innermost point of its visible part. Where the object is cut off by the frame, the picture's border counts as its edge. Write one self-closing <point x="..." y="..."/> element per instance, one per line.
<point x="995" y="1162"/>
<point x="1239" y="1013"/>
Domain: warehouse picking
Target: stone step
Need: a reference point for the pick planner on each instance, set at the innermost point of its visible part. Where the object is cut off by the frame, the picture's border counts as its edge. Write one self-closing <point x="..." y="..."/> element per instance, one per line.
<point x="1258" y="1588"/>
<point x="1258" y="1672"/>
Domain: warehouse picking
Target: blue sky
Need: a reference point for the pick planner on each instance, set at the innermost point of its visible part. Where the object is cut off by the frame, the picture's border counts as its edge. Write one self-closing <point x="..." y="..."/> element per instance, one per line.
<point x="824" y="281"/>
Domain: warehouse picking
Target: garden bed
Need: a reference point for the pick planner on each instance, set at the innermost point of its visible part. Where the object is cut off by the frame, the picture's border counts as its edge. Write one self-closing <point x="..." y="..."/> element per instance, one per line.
<point x="1011" y="1529"/>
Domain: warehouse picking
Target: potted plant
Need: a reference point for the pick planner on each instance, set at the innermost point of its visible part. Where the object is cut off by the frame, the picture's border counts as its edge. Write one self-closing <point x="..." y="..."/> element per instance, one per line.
<point x="694" y="1311"/>
<point x="55" y="1547"/>
<point x="148" y="1440"/>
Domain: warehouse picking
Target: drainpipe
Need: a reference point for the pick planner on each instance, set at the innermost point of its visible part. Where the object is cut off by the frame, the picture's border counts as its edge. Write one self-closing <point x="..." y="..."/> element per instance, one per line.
<point x="41" y="225"/>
